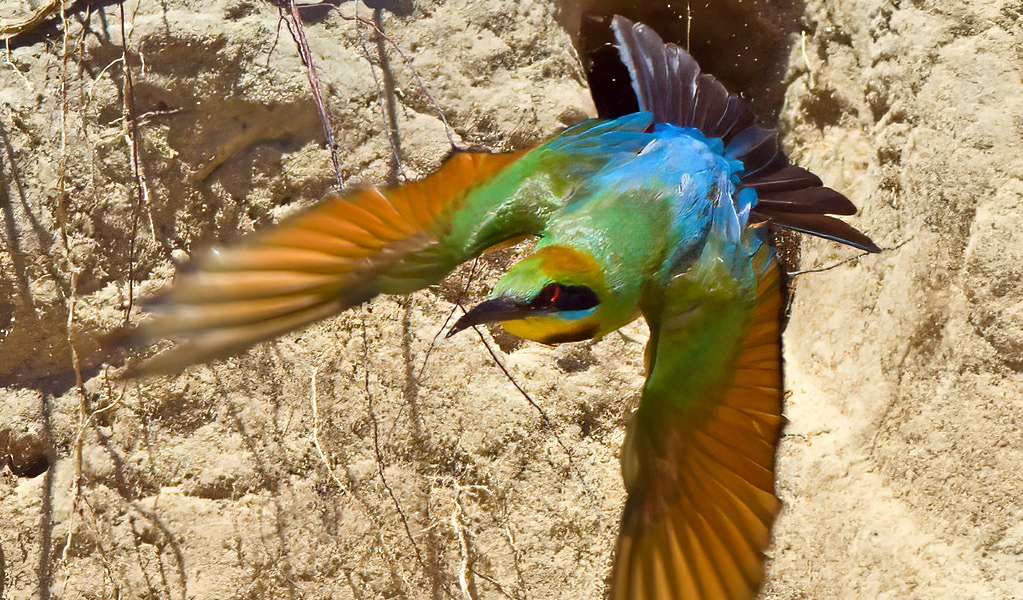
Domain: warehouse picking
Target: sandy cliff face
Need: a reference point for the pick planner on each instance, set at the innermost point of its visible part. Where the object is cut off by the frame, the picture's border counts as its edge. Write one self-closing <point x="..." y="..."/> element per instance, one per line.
<point x="362" y="458"/>
<point x="907" y="406"/>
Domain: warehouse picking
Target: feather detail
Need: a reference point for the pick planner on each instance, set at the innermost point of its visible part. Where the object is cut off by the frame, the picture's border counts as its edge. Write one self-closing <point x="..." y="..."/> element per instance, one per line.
<point x="701" y="481"/>
<point x="811" y="200"/>
<point x="337" y="254"/>
<point x="668" y="83"/>
<point x="822" y="226"/>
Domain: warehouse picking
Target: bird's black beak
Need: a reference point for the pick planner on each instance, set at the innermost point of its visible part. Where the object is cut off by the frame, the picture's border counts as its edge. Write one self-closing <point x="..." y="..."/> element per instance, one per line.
<point x="498" y="309"/>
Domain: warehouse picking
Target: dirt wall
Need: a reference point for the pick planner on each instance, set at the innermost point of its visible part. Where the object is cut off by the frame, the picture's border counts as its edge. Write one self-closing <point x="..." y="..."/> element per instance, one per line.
<point x="364" y="457"/>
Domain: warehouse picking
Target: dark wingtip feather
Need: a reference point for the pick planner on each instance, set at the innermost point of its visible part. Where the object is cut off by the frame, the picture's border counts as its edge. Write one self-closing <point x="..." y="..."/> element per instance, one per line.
<point x="824" y="226"/>
<point x="667" y="82"/>
<point x="809" y="200"/>
<point x="736" y="117"/>
<point x="785" y="179"/>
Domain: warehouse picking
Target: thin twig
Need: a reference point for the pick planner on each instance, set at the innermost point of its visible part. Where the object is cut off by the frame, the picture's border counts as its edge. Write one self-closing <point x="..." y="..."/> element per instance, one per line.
<point x="83" y="409"/>
<point x="811" y="82"/>
<point x="131" y="136"/>
<point x="543" y="414"/>
<point x="828" y="267"/>
<point x="497" y="585"/>
<point x="71" y="302"/>
<point x="8" y="61"/>
<point x="100" y="75"/>
<point x="385" y="91"/>
<point x="84" y="422"/>
<point x="458" y="300"/>
<point x="104" y="556"/>
<point x="380" y="454"/>
<point x="844" y="261"/>
<point x="298" y="33"/>
<point x="393" y="133"/>
<point x="500" y="365"/>
<point x="516" y="560"/>
<point x="359" y="500"/>
<point x="62" y="178"/>
<point x="463" y="546"/>
<point x="316" y="436"/>
<point x="433" y="342"/>
<point x="419" y="80"/>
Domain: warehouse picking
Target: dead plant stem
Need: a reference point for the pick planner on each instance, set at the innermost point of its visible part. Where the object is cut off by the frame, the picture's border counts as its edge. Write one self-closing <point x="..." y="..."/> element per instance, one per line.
<point x="463" y="546"/>
<point x="379" y="453"/>
<point x="298" y="33"/>
<point x="415" y="73"/>
<point x="529" y="398"/>
<point x="131" y="136"/>
<point x="316" y="436"/>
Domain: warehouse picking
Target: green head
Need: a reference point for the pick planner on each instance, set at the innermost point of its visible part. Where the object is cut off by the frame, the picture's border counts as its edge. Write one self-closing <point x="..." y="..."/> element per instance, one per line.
<point x="559" y="294"/>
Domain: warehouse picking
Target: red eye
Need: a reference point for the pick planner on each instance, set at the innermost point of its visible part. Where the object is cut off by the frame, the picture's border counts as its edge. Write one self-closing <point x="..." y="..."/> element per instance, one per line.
<point x="547" y="295"/>
<point x="565" y="298"/>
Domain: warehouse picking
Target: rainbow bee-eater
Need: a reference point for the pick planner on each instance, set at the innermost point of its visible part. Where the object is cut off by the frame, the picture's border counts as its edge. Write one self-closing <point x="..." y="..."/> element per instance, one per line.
<point x="662" y="213"/>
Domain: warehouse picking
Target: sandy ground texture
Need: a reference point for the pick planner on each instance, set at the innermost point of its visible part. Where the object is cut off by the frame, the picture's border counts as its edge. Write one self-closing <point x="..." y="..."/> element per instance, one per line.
<point x="363" y="458"/>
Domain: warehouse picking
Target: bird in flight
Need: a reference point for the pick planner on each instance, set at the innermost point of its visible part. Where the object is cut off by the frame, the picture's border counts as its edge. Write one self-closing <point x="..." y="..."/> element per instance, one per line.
<point x="663" y="213"/>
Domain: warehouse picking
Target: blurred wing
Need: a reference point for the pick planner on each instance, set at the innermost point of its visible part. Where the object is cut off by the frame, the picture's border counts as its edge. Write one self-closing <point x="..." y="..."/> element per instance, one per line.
<point x="700" y="475"/>
<point x="338" y="254"/>
<point x="668" y="83"/>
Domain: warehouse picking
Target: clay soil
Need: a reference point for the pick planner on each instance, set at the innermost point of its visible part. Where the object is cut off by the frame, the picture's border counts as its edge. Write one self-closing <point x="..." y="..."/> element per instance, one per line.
<point x="366" y="457"/>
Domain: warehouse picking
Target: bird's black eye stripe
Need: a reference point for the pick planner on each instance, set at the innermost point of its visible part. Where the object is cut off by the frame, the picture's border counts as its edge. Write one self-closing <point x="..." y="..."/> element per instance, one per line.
<point x="576" y="297"/>
<point x="565" y="297"/>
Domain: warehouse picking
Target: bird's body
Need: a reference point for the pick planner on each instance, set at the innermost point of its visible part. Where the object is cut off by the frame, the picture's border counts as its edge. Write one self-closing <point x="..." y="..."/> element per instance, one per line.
<point x="638" y="200"/>
<point x="662" y="213"/>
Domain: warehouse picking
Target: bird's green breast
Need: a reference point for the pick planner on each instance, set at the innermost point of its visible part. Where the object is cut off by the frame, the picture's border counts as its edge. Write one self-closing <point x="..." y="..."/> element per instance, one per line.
<point x="699" y="345"/>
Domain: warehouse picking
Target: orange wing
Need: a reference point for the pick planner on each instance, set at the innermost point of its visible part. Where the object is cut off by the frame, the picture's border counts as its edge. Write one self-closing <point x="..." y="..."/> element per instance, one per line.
<point x="340" y="253"/>
<point x="701" y="480"/>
